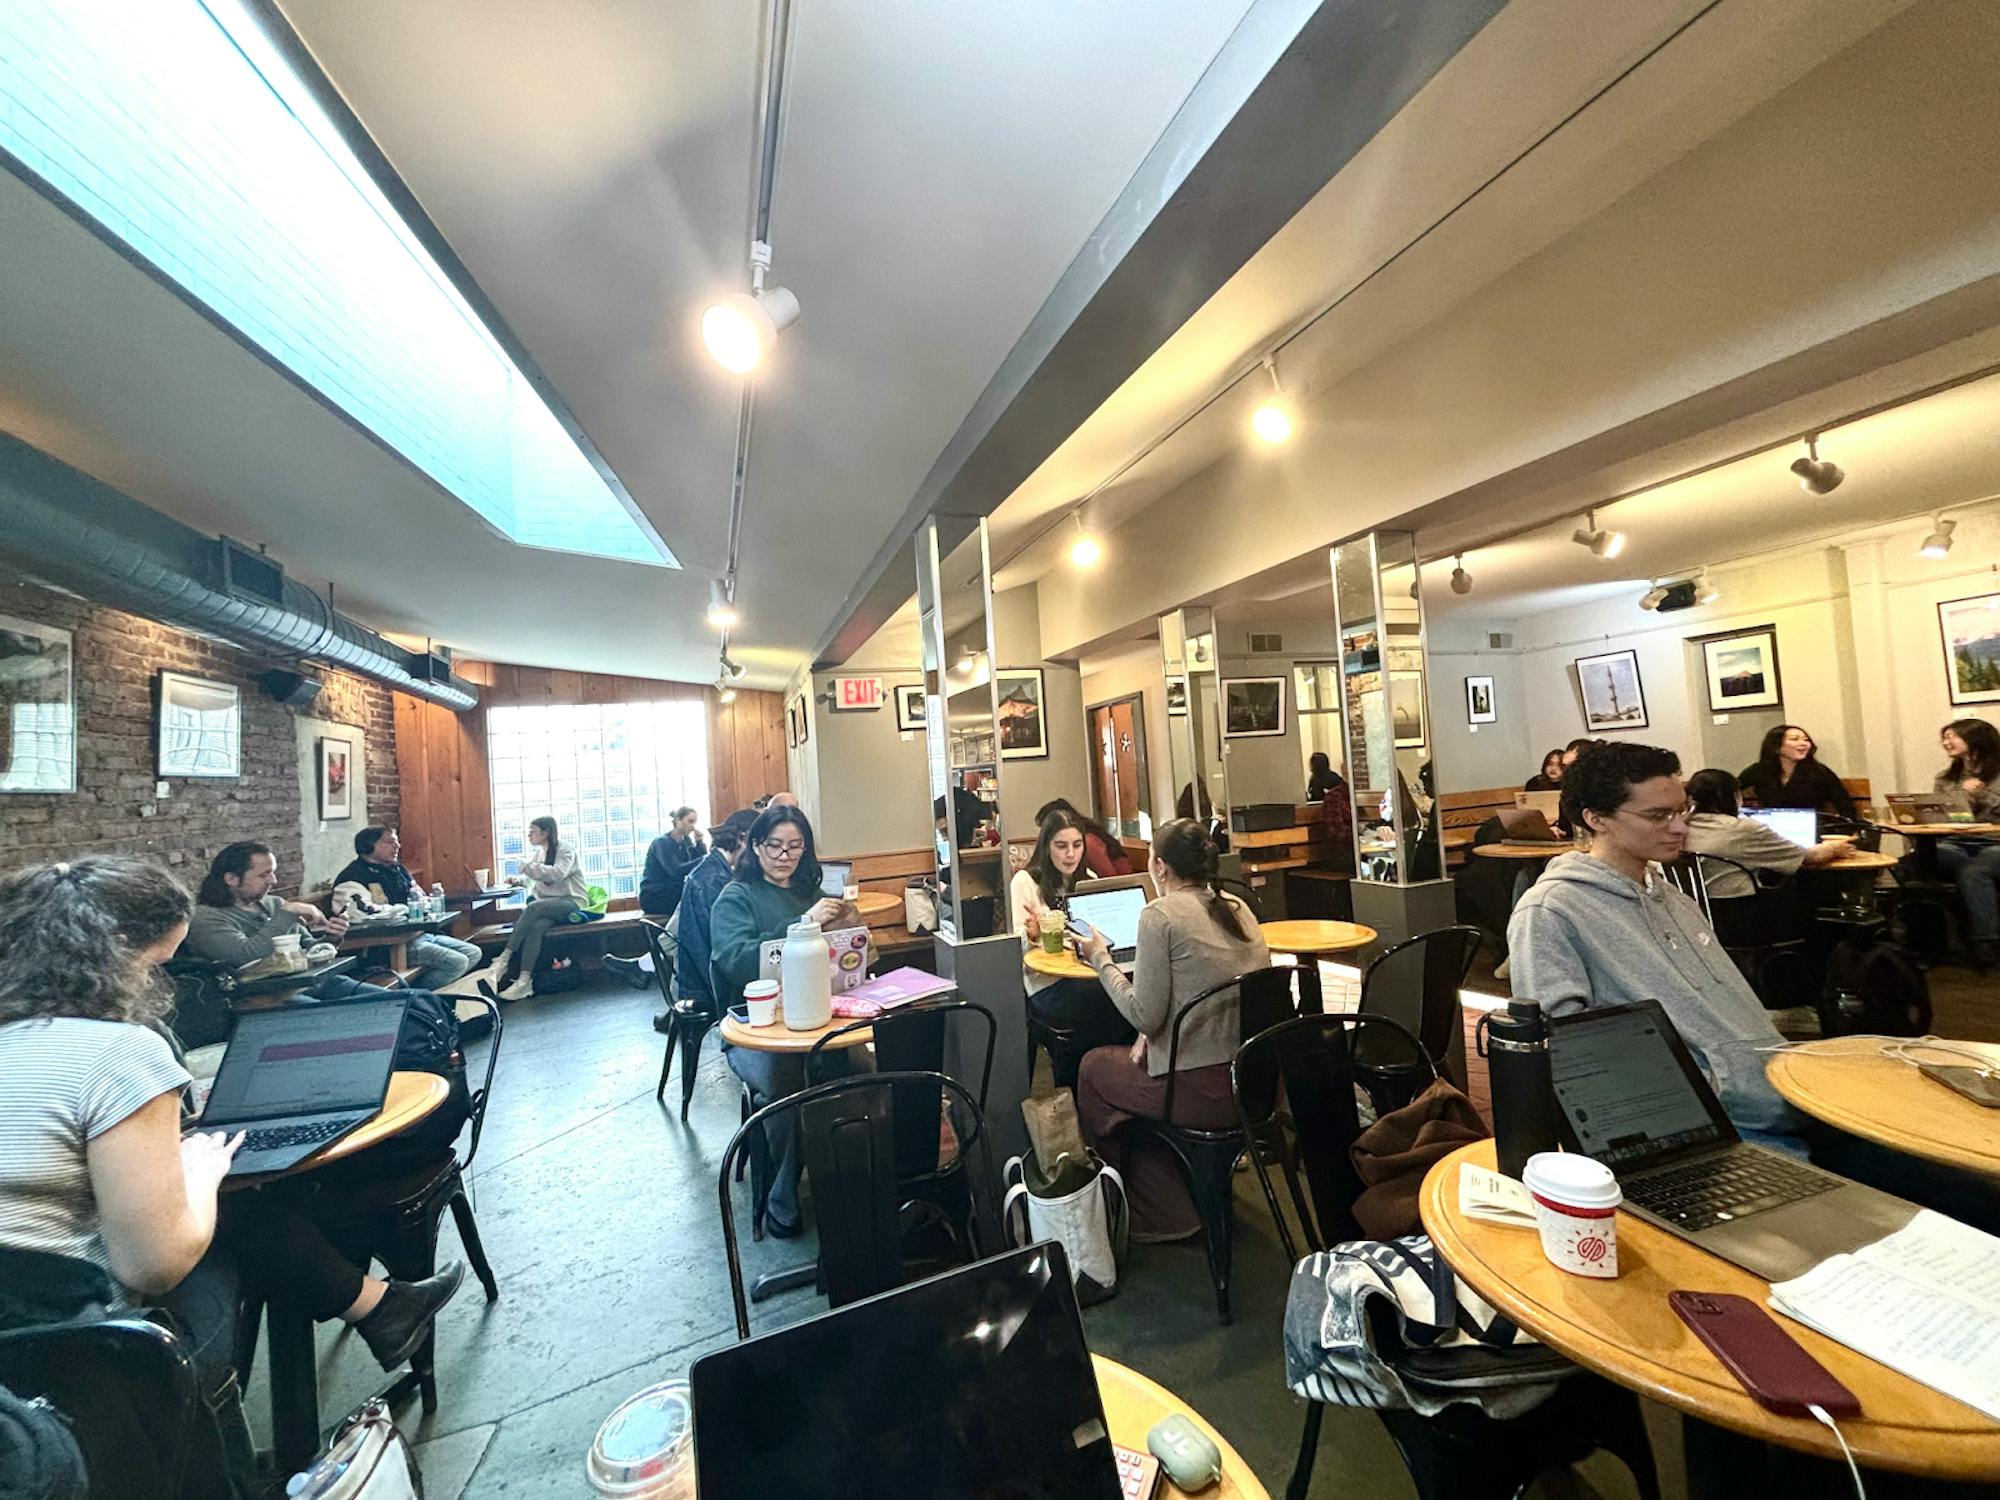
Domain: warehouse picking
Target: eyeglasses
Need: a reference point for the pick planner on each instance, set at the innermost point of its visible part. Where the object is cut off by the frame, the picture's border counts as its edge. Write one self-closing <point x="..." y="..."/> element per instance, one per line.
<point x="787" y="850"/>
<point x="1659" y="817"/>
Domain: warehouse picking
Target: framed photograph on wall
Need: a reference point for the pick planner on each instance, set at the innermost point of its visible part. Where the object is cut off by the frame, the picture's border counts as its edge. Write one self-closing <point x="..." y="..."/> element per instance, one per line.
<point x="1024" y="720"/>
<point x="1742" y="669"/>
<point x="1479" y="701"/>
<point x="200" y="728"/>
<point x="791" y="726"/>
<point x="37" y="708"/>
<point x="336" y="778"/>
<point x="1177" y="697"/>
<point x="1971" y="632"/>
<point x="1252" y="707"/>
<point x="1406" y="709"/>
<point x="1612" y="696"/>
<point x="805" y="719"/>
<point x="910" y="705"/>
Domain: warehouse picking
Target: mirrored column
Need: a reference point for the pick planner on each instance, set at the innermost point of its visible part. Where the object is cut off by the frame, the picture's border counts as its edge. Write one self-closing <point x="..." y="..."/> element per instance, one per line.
<point x="1194" y="727"/>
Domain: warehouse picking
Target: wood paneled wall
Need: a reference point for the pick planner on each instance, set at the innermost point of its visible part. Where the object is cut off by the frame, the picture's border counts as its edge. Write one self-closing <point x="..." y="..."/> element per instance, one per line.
<point x="447" y="801"/>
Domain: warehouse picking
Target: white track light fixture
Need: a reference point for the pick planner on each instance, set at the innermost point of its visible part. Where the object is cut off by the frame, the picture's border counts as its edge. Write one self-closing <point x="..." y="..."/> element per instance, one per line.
<point x="1085" y="550"/>
<point x="1653" y="596"/>
<point x="1274" y="420"/>
<point x="741" y="328"/>
<point x="733" y="671"/>
<point x="1705" y="590"/>
<point x="1604" y="544"/>
<point x="724" y="691"/>
<point x="1817" y="476"/>
<point x="1938" y="543"/>
<point x="1461" y="581"/>
<point x="722" y="611"/>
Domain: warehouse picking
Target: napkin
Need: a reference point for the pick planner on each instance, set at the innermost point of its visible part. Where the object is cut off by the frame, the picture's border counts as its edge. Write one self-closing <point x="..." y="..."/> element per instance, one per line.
<point x="1485" y="1194"/>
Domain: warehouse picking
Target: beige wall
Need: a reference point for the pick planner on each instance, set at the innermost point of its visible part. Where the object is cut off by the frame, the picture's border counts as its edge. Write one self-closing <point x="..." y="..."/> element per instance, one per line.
<point x="1476" y="757"/>
<point x="1026" y="784"/>
<point x="870" y="781"/>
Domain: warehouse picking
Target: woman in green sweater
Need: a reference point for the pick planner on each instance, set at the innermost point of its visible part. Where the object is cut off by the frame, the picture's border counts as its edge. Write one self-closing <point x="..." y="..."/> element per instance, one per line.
<point x="777" y="883"/>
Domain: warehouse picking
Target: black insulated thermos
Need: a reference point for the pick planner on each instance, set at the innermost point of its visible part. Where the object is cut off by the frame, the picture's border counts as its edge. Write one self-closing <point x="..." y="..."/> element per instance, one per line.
<point x="1515" y="1044"/>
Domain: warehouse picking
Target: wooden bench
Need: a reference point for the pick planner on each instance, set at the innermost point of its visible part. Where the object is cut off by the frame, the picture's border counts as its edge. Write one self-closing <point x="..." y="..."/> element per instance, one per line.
<point x="618" y="927"/>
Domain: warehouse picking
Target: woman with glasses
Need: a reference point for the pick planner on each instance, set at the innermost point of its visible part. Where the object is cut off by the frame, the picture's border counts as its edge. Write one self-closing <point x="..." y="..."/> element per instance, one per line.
<point x="775" y="884"/>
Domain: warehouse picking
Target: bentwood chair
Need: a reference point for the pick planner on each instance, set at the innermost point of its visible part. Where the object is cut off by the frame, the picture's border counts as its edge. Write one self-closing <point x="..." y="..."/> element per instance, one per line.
<point x="1207" y="1155"/>
<point x="847" y="1134"/>
<point x="1315" y="1065"/>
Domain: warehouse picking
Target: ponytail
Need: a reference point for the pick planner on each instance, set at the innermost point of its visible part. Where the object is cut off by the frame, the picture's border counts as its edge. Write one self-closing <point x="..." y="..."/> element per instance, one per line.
<point x="1189" y="850"/>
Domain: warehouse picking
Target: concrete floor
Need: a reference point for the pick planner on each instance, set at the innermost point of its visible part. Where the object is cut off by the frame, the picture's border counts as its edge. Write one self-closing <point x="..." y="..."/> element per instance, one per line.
<point x="599" y="1213"/>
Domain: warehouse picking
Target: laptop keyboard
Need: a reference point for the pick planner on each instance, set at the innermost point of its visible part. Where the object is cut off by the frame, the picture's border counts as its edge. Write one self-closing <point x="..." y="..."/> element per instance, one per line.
<point x="1721" y="1188"/>
<point x="277" y="1137"/>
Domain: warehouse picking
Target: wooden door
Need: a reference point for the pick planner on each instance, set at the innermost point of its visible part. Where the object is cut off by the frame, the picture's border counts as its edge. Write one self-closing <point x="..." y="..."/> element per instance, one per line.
<point x="1103" y="767"/>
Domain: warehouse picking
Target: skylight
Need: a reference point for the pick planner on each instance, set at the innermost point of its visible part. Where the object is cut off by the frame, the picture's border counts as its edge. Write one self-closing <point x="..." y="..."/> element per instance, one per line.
<point x="183" y="132"/>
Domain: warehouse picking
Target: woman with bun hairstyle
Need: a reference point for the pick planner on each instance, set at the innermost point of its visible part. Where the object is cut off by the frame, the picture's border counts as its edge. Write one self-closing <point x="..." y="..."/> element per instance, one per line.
<point x="1193" y="938"/>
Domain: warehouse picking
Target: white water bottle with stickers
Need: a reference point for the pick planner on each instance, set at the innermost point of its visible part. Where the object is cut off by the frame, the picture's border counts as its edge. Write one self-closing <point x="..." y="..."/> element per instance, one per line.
<point x="806" y="974"/>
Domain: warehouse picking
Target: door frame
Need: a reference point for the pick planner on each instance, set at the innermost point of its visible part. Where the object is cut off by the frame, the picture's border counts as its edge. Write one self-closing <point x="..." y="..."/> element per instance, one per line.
<point x="1138" y="702"/>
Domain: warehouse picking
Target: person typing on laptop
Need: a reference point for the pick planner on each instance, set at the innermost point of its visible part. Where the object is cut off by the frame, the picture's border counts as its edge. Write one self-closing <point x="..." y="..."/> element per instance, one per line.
<point x="1603" y="926"/>
<point x="1194" y="937"/>
<point x="1715" y="826"/>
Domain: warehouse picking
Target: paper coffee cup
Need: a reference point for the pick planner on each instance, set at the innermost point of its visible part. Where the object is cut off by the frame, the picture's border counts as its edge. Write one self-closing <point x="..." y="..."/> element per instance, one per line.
<point x="760" y="1000"/>
<point x="483" y="879"/>
<point x="1576" y="1211"/>
<point x="286" y="946"/>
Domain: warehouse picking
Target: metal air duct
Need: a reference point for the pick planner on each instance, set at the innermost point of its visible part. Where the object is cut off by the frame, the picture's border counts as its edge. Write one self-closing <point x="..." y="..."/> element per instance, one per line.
<point x="59" y="524"/>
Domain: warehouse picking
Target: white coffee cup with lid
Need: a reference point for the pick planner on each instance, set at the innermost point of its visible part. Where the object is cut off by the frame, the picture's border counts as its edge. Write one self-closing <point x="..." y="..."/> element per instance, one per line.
<point x="286" y="946"/>
<point x="760" y="999"/>
<point x="1576" y="1211"/>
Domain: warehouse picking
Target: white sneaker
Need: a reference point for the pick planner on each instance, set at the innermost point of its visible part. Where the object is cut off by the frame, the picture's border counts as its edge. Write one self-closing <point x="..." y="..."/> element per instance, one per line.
<point x="521" y="989"/>
<point x="1502" y="969"/>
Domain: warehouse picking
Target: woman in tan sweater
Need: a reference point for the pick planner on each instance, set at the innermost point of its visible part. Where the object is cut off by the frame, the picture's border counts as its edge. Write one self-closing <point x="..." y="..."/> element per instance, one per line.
<point x="1190" y="940"/>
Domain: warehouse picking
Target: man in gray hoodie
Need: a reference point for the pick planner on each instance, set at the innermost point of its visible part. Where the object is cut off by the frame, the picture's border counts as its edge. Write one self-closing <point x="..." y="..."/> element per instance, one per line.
<point x="1604" y="927"/>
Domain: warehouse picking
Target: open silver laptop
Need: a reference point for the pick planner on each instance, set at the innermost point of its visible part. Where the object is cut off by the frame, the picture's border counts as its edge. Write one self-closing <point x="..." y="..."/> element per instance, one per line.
<point x="1528" y="825"/>
<point x="1632" y="1098"/>
<point x="298" y="1078"/>
<point x="1113" y="912"/>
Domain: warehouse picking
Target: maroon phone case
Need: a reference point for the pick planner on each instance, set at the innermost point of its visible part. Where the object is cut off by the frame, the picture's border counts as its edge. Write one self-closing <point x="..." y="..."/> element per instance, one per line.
<point x="1771" y="1365"/>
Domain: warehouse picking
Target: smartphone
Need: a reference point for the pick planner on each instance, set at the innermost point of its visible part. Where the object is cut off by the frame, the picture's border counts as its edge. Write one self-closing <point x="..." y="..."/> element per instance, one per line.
<point x="1770" y="1364"/>
<point x="1980" y="1085"/>
<point x="1078" y="930"/>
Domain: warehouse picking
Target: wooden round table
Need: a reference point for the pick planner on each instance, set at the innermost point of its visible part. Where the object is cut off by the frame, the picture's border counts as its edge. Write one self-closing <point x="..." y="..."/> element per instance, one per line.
<point x="1861" y="859"/>
<point x="876" y="903"/>
<point x="1133" y="1405"/>
<point x="1940" y="830"/>
<point x="1459" y="838"/>
<point x="1063" y="965"/>
<point x="1625" y="1331"/>
<point x="1316" y="936"/>
<point x="780" y="1038"/>
<point x="1851" y="1086"/>
<point x="1521" y="851"/>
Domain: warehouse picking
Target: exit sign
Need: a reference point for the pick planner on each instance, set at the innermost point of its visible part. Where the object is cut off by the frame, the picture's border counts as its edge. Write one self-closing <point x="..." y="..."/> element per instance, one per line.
<point x="857" y="692"/>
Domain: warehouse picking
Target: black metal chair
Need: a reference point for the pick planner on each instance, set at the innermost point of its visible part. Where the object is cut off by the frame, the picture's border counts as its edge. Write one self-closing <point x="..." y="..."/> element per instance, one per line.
<point x="1207" y="1156"/>
<point x="1765" y="932"/>
<point x="688" y="1021"/>
<point x="399" y="1229"/>
<point x="1314" y="1065"/>
<point x="911" y="1039"/>
<point x="128" y="1390"/>
<point x="1417" y="983"/>
<point x="848" y="1135"/>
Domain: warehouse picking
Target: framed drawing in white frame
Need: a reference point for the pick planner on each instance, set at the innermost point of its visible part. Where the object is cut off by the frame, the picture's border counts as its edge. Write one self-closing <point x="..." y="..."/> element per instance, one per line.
<point x="37" y="707"/>
<point x="1971" y="632"/>
<point x="1406" y="709"/>
<point x="200" y="727"/>
<point x="1252" y="707"/>
<point x="336" y="778"/>
<point x="1479" y="707"/>
<point x="1613" y="697"/>
<point x="1742" y="669"/>
<point x="910" y="705"/>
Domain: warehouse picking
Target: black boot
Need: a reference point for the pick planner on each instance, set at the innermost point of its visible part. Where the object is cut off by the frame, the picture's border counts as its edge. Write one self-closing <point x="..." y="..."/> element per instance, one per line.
<point x="397" y="1325"/>
<point x="630" y="969"/>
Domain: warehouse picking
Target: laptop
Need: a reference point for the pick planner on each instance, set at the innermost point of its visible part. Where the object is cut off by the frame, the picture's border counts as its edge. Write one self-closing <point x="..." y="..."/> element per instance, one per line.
<point x="1632" y="1097"/>
<point x="298" y="1078"/>
<point x="835" y="875"/>
<point x="1548" y="804"/>
<point x="1115" y="913"/>
<point x="1528" y="825"/>
<point x="976" y="1382"/>
<point x="1948" y="806"/>
<point x="1797" y="825"/>
<point x="1115" y="883"/>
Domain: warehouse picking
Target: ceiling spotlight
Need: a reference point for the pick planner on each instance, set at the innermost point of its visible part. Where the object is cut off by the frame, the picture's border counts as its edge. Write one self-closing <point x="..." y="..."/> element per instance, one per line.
<point x="742" y="327"/>
<point x="732" y="670"/>
<point x="1705" y="591"/>
<point x="1652" y="597"/>
<point x="1604" y="544"/>
<point x="722" y="611"/>
<point x="1461" y="581"/>
<point x="1938" y="543"/>
<point x="1085" y="550"/>
<point x="1273" y="421"/>
<point x="1817" y="476"/>
<point x="724" y="693"/>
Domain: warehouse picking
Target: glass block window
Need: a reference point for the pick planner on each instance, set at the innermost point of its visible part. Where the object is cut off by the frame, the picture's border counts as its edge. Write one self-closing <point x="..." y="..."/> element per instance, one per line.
<point x="610" y="774"/>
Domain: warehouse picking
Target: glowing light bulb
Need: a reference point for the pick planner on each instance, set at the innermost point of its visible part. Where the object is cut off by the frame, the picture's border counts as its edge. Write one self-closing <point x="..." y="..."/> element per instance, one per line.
<point x="1272" y="421"/>
<point x="1086" y="551"/>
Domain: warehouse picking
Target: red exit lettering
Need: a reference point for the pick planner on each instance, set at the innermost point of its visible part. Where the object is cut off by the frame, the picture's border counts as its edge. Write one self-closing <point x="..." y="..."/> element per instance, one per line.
<point x="858" y="692"/>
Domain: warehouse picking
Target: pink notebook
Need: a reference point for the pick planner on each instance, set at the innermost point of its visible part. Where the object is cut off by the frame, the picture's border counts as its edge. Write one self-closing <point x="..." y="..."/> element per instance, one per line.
<point x="887" y="991"/>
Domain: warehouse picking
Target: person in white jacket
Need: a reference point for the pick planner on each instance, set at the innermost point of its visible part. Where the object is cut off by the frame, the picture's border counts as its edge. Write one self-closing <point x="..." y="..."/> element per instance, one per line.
<point x="555" y="890"/>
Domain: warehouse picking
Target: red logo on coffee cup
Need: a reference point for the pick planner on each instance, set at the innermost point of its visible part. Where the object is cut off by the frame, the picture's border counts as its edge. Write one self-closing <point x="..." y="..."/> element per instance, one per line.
<point x="1590" y="1249"/>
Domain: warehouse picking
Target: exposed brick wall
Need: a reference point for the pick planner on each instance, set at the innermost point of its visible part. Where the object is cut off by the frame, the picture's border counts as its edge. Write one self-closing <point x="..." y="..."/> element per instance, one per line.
<point x="113" y="808"/>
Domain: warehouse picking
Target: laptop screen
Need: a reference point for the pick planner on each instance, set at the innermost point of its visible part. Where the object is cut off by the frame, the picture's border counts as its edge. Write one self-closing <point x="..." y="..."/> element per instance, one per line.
<point x="834" y="876"/>
<point x="306" y="1060"/>
<point x="1627" y="1087"/>
<point x="976" y="1382"/>
<point x="1799" y="825"/>
<point x="1113" y="913"/>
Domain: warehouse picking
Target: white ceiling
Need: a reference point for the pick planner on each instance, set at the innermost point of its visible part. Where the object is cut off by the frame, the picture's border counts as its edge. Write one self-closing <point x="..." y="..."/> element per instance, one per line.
<point x="590" y="165"/>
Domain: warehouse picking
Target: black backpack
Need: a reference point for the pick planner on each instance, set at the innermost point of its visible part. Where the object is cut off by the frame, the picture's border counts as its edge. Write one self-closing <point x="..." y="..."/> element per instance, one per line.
<point x="1875" y="990"/>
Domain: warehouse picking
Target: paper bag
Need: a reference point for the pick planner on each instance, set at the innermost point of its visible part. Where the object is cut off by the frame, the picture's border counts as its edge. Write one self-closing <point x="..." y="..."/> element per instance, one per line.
<point x="1050" y="1114"/>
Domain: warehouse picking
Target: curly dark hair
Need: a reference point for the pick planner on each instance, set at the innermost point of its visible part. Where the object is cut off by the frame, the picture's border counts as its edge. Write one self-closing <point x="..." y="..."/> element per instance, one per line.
<point x="1190" y="851"/>
<point x="71" y="935"/>
<point x="1602" y="779"/>
<point x="234" y="859"/>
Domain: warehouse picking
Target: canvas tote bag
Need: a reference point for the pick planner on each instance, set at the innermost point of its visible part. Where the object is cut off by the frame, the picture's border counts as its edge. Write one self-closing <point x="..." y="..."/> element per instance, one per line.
<point x="1082" y="1207"/>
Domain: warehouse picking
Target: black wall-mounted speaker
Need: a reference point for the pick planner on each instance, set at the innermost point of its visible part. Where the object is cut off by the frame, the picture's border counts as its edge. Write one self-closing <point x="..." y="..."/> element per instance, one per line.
<point x="293" y="689"/>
